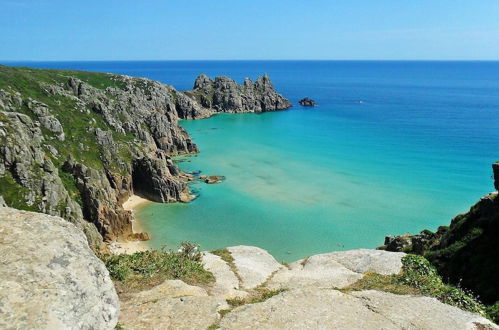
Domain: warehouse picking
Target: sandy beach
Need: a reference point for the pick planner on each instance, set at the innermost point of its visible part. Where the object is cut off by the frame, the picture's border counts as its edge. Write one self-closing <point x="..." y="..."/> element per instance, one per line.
<point x="135" y="201"/>
<point x="129" y="247"/>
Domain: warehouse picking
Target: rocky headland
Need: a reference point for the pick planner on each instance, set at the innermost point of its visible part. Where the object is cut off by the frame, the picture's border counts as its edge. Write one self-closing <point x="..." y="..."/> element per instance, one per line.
<point x="79" y="144"/>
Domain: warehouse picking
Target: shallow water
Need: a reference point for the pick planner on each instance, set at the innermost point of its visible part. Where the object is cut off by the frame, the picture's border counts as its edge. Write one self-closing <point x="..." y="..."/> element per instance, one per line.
<point x="393" y="147"/>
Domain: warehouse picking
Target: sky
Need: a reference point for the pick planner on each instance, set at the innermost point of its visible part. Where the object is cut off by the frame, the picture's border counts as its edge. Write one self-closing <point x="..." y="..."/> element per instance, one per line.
<point x="56" y="30"/>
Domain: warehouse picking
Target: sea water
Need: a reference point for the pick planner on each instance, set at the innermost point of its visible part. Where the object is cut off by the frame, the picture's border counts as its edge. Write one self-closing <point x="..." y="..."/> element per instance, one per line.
<point x="391" y="148"/>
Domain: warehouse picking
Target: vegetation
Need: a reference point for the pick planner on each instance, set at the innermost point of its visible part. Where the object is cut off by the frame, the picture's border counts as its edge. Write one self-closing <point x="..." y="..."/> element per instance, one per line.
<point x="79" y="125"/>
<point x="14" y="194"/>
<point x="259" y="295"/>
<point x="419" y="277"/>
<point x="143" y="270"/>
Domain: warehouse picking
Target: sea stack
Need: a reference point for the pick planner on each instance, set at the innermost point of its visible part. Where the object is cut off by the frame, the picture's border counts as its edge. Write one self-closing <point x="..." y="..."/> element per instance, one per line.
<point x="307" y="102"/>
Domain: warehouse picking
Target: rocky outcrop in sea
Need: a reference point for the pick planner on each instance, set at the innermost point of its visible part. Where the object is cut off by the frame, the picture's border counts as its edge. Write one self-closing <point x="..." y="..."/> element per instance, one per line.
<point x="78" y="144"/>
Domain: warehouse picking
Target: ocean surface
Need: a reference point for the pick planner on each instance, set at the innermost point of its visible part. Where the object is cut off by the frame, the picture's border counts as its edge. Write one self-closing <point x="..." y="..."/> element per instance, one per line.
<point x="392" y="147"/>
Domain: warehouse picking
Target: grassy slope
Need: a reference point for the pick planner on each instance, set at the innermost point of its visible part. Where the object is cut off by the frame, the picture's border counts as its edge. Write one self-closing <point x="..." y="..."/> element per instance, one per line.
<point x="30" y="83"/>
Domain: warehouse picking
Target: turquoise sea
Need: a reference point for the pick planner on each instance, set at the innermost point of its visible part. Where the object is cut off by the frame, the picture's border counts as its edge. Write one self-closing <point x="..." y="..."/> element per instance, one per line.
<point x="392" y="147"/>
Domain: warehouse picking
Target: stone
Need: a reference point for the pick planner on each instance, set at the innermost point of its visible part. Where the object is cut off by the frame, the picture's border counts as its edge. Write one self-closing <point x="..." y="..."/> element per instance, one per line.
<point x="226" y="281"/>
<point x="171" y="305"/>
<point x="336" y="269"/>
<point x="254" y="265"/>
<point x="50" y="277"/>
<point x="313" y="308"/>
<point x="307" y="102"/>
<point x="2" y="202"/>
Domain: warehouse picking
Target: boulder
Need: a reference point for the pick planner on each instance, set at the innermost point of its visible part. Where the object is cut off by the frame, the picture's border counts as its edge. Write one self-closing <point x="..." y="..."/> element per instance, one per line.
<point x="50" y="277"/>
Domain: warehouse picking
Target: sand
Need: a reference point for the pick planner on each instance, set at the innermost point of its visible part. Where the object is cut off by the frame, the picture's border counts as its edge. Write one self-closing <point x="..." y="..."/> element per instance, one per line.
<point x="129" y="247"/>
<point x="135" y="201"/>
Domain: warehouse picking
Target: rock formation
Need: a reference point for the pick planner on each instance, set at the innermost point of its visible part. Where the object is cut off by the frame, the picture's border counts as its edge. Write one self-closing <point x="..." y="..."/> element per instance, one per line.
<point x="225" y="95"/>
<point x="50" y="277"/>
<point x="307" y="102"/>
<point x="78" y="144"/>
<point x="307" y="294"/>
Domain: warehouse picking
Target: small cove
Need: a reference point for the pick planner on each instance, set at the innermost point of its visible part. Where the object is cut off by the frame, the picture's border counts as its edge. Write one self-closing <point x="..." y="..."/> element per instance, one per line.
<point x="392" y="147"/>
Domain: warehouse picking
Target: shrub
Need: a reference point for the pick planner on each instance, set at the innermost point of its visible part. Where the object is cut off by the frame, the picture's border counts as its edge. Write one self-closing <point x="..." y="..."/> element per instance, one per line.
<point x="148" y="268"/>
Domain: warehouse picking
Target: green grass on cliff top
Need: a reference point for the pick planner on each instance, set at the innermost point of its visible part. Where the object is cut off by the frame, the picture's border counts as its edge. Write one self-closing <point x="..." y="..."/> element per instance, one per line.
<point x="143" y="270"/>
<point x="79" y="141"/>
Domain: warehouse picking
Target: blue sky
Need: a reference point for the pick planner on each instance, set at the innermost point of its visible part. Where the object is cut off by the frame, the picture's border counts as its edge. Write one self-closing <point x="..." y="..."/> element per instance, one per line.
<point x="251" y="29"/>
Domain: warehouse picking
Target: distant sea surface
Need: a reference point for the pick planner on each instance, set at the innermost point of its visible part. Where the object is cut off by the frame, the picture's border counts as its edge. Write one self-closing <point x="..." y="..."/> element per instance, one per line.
<point x="392" y="147"/>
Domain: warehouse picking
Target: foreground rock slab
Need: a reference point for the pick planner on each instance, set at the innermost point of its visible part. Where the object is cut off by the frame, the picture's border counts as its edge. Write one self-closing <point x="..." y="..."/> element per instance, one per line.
<point x="336" y="269"/>
<point x="171" y="305"/>
<point x="254" y="265"/>
<point x="50" y="279"/>
<point x="312" y="308"/>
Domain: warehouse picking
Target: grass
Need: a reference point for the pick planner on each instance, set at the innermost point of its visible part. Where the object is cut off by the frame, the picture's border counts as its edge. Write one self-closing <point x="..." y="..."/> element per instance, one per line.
<point x="143" y="270"/>
<point x="78" y="124"/>
<point x="259" y="295"/>
<point x="14" y="194"/>
<point x="419" y="277"/>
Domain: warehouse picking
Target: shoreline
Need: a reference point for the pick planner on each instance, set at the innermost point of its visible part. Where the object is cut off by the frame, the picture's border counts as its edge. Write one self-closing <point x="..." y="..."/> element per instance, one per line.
<point x="133" y="203"/>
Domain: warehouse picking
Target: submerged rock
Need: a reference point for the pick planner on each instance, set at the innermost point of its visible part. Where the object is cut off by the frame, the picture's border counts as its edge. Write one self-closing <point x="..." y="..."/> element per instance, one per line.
<point x="50" y="279"/>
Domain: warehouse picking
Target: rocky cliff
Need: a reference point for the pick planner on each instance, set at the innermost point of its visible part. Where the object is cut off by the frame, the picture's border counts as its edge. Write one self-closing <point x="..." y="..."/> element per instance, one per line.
<point x="466" y="252"/>
<point x="78" y="144"/>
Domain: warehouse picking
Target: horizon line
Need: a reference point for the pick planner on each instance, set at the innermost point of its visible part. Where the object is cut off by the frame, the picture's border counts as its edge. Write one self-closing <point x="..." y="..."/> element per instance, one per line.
<point x="259" y="60"/>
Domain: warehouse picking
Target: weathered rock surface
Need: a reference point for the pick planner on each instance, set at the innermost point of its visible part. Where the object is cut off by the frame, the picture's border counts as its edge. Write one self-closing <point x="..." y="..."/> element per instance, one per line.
<point x="310" y="299"/>
<point x="226" y="281"/>
<point x="50" y="279"/>
<point x="171" y="305"/>
<point x="254" y="265"/>
<point x="336" y="269"/>
<point x="312" y="308"/>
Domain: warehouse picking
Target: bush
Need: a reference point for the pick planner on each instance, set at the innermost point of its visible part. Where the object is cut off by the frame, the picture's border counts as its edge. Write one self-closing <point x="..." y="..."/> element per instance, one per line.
<point x="148" y="268"/>
<point x="493" y="312"/>
<point x="419" y="273"/>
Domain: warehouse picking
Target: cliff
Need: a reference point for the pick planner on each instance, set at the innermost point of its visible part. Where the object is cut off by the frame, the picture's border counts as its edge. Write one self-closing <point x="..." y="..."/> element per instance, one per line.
<point x="78" y="144"/>
<point x="465" y="253"/>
